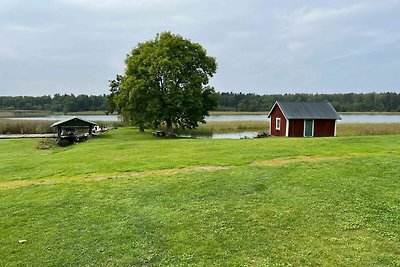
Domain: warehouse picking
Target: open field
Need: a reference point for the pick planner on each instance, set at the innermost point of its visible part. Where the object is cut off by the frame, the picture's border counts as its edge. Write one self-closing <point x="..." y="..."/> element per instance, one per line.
<point x="131" y="199"/>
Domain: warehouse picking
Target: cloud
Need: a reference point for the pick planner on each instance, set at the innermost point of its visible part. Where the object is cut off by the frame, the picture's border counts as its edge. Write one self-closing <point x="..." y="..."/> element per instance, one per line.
<point x="260" y="45"/>
<point x="319" y="15"/>
<point x="296" y="46"/>
<point x="26" y="28"/>
<point x="375" y="42"/>
<point x="8" y="52"/>
<point x="121" y="4"/>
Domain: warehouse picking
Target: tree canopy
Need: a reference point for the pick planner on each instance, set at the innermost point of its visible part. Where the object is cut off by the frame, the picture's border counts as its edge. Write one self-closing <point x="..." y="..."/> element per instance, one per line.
<point x="165" y="82"/>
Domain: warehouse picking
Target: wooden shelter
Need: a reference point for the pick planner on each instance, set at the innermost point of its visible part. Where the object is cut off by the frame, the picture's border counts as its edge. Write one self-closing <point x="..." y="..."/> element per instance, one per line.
<point x="303" y="119"/>
<point x="72" y="124"/>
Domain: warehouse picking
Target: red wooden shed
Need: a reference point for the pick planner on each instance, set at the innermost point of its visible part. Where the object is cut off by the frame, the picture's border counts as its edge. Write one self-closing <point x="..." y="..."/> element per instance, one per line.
<point x="303" y="119"/>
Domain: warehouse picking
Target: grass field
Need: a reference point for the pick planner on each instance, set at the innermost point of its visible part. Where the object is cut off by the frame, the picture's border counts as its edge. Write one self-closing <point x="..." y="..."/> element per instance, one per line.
<point x="131" y="199"/>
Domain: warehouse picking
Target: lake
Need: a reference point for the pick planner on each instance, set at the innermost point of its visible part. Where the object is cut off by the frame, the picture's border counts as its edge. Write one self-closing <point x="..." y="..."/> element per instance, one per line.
<point x="357" y="118"/>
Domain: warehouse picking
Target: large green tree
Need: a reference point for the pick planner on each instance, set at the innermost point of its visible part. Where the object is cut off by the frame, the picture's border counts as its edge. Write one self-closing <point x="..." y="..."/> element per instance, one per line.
<point x="166" y="82"/>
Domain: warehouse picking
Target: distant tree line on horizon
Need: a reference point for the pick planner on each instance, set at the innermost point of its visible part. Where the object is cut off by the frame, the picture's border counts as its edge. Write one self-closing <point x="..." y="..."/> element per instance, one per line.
<point x="57" y="103"/>
<point x="349" y="102"/>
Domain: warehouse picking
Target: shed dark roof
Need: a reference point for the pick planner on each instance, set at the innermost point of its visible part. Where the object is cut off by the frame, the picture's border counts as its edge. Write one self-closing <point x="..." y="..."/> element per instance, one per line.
<point x="307" y="110"/>
<point x="73" y="122"/>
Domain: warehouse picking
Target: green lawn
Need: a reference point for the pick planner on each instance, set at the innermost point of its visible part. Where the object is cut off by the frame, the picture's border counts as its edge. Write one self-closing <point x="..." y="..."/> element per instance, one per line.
<point x="131" y="199"/>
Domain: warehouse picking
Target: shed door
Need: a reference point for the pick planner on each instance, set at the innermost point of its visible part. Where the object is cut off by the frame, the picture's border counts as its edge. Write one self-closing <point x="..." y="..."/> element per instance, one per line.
<point x="308" y="130"/>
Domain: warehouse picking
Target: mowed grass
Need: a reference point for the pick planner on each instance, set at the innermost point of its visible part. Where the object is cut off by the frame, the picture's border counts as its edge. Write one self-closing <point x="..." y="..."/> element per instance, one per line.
<point x="131" y="199"/>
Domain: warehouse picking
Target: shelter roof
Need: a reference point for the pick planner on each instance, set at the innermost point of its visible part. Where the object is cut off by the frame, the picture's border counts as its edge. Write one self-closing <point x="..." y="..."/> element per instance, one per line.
<point x="73" y="122"/>
<point x="307" y="110"/>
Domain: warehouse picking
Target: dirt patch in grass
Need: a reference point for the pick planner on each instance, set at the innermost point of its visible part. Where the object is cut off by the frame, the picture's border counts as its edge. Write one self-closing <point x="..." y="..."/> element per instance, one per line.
<point x="284" y="161"/>
<point x="160" y="172"/>
<point x="272" y="163"/>
<point x="22" y="183"/>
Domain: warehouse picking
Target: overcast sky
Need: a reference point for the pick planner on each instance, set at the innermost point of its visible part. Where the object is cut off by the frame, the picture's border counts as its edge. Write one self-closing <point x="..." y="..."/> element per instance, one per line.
<point x="261" y="46"/>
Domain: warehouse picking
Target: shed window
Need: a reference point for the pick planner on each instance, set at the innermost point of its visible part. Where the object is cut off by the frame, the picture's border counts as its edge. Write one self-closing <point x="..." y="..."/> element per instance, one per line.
<point x="278" y="124"/>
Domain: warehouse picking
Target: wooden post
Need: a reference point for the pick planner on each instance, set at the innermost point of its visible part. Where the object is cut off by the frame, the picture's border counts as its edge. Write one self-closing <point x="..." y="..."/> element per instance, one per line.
<point x="58" y="132"/>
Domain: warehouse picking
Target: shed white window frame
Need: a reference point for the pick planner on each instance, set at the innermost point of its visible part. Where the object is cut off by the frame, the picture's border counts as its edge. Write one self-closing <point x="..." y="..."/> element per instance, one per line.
<point x="277" y="123"/>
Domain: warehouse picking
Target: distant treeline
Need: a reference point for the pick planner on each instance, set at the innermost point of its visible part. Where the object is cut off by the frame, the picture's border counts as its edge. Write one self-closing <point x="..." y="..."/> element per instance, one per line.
<point x="57" y="103"/>
<point x="351" y="102"/>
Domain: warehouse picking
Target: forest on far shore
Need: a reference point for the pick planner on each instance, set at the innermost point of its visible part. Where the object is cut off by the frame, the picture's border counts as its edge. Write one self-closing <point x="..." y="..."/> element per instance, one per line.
<point x="349" y="102"/>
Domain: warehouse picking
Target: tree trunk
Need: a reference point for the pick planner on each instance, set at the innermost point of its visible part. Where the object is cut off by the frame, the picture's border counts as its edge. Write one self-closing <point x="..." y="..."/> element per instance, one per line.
<point x="170" y="130"/>
<point x="141" y="127"/>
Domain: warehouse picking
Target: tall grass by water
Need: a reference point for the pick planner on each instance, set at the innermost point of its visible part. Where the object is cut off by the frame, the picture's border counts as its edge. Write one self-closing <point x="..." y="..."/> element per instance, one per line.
<point x="10" y="126"/>
<point x="359" y="129"/>
<point x="212" y="127"/>
<point x="343" y="129"/>
<point x="24" y="113"/>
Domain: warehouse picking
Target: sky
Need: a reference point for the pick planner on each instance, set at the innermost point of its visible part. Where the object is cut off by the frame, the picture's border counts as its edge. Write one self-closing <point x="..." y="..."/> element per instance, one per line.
<point x="261" y="46"/>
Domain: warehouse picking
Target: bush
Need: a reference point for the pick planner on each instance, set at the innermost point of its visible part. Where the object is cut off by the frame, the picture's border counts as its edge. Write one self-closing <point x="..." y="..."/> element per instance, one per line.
<point x="46" y="143"/>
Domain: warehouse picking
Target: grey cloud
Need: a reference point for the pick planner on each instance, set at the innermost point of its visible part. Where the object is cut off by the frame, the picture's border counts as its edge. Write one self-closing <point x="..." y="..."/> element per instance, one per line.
<point x="76" y="46"/>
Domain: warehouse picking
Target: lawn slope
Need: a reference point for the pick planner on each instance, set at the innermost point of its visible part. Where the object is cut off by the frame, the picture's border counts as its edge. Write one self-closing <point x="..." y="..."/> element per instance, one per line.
<point x="130" y="199"/>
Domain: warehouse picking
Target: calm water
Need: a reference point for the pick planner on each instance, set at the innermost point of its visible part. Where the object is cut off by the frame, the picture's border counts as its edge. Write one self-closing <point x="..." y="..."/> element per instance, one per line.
<point x="345" y="118"/>
<point x="241" y="135"/>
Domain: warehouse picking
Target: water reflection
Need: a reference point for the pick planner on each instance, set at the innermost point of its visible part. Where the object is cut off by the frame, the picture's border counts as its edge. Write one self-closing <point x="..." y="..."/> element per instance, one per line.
<point x="241" y="135"/>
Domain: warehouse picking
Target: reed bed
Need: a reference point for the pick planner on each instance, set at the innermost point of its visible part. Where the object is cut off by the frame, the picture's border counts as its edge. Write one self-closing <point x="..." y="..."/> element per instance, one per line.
<point x="233" y="126"/>
<point x="358" y="129"/>
<point x="344" y="129"/>
<point x="8" y="126"/>
<point x="6" y="114"/>
<point x="213" y="127"/>
<point x="238" y="112"/>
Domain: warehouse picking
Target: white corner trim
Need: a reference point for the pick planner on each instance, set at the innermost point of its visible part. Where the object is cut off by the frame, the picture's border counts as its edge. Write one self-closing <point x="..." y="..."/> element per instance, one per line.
<point x="334" y="133"/>
<point x="270" y="126"/>
<point x="313" y="121"/>
<point x="287" y="128"/>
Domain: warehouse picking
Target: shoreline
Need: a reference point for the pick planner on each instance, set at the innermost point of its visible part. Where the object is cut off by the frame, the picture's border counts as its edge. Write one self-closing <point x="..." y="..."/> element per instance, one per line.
<point x="18" y="136"/>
